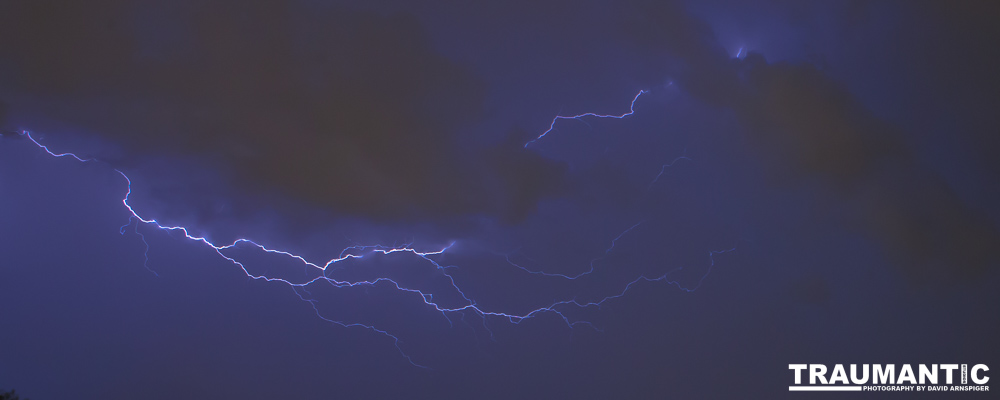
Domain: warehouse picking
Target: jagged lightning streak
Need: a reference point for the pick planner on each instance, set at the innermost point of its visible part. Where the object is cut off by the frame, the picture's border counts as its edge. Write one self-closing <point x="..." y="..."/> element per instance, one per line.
<point x="592" y="261"/>
<point x="663" y="169"/>
<point x="552" y="125"/>
<point x="663" y="278"/>
<point x="145" y="254"/>
<point x="360" y="251"/>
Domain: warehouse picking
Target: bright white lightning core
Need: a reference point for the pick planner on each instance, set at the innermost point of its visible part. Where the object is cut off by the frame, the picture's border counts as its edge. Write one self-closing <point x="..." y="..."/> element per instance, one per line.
<point x="425" y="255"/>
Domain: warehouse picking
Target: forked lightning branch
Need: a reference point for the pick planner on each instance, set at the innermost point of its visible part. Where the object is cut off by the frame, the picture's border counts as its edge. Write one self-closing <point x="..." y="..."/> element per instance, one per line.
<point x="890" y="378"/>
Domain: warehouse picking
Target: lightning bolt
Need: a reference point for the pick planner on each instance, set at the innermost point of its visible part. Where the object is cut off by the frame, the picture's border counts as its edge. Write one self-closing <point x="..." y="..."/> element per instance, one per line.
<point x="592" y="261"/>
<point x="429" y="256"/>
<point x="578" y="117"/>
<point x="663" y="169"/>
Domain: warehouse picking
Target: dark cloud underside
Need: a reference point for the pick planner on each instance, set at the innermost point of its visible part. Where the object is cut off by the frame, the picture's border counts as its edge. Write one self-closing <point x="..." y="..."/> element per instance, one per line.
<point x="356" y="111"/>
<point x="808" y="126"/>
<point x="351" y="110"/>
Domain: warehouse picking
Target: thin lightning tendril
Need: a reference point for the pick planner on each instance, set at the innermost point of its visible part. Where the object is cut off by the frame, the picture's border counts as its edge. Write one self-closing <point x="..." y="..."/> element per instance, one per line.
<point x="360" y="251"/>
<point x="592" y="261"/>
<point x="663" y="169"/>
<point x="145" y="254"/>
<point x="578" y="117"/>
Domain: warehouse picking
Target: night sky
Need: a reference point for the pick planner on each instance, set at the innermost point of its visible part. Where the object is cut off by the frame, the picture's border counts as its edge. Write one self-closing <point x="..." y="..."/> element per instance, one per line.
<point x="755" y="184"/>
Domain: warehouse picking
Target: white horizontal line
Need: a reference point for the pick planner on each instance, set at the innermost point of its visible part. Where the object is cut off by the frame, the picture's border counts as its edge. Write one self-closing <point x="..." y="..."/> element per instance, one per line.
<point x="825" y="388"/>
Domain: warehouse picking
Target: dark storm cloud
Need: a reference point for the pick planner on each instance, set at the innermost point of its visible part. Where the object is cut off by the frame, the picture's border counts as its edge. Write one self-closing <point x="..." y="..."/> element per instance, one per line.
<point x="350" y="110"/>
<point x="956" y="41"/>
<point x="811" y="290"/>
<point x="3" y="116"/>
<point x="356" y="111"/>
<point x="808" y="126"/>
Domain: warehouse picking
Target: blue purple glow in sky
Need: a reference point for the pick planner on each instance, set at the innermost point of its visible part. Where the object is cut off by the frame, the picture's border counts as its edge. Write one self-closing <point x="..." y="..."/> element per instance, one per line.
<point x="589" y="200"/>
